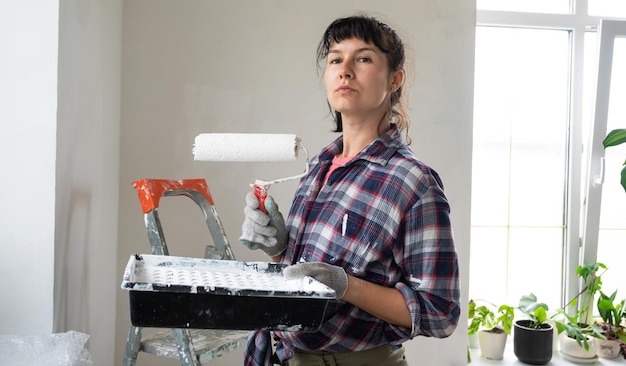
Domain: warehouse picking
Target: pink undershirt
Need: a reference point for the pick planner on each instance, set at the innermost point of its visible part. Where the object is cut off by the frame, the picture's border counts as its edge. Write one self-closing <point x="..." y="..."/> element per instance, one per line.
<point x="337" y="162"/>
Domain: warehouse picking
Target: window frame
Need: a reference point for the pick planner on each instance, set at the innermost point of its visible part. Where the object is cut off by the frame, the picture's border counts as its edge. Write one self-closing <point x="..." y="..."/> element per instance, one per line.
<point x="609" y="30"/>
<point x="577" y="22"/>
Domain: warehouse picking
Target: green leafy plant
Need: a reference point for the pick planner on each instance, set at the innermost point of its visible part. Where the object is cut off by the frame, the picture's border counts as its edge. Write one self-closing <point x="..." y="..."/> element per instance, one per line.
<point x="536" y="312"/>
<point x="612" y="314"/>
<point x="580" y="332"/>
<point x="484" y="317"/>
<point x="613" y="138"/>
<point x="592" y="283"/>
<point x="579" y="326"/>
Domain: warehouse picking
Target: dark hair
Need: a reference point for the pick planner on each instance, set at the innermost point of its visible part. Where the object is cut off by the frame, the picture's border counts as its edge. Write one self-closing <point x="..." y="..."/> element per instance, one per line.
<point x="369" y="30"/>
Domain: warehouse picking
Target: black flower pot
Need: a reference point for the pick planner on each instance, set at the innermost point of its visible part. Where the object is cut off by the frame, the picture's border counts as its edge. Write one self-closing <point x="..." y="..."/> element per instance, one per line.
<point x="532" y="345"/>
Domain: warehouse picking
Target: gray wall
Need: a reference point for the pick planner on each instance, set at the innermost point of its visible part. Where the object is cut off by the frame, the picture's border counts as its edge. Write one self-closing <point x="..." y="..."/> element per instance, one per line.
<point x="190" y="67"/>
<point x="87" y="172"/>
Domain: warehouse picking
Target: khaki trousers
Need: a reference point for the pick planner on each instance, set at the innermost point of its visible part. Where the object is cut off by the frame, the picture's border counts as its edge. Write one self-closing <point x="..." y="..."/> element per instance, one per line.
<point x="379" y="356"/>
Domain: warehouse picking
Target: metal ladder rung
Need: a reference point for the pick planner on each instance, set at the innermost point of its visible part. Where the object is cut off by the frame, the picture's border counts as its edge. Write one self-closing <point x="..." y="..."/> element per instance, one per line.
<point x="209" y="343"/>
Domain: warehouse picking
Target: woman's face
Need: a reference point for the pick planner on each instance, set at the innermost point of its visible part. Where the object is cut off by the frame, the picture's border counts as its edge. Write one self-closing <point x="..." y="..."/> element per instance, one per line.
<point x="357" y="78"/>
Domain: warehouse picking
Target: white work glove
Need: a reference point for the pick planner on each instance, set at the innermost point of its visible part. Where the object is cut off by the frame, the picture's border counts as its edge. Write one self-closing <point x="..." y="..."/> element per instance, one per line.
<point x="332" y="276"/>
<point x="265" y="231"/>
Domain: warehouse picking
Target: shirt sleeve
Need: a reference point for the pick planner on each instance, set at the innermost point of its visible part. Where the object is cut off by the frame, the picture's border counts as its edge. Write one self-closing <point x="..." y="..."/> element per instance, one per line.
<point x="430" y="266"/>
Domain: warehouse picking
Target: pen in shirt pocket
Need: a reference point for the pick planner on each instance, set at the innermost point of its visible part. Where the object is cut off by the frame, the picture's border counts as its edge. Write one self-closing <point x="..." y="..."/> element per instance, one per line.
<point x="344" y="225"/>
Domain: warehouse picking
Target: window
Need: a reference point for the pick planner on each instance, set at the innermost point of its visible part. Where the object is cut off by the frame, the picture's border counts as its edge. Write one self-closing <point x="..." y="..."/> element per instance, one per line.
<point x="535" y="6"/>
<point x="607" y="8"/>
<point x="520" y="134"/>
<point x="533" y="115"/>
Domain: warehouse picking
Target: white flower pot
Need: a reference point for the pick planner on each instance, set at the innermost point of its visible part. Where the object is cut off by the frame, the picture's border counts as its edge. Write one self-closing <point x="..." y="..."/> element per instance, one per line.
<point x="492" y="344"/>
<point x="608" y="348"/>
<point x="570" y="347"/>
<point x="555" y="335"/>
<point x="472" y="340"/>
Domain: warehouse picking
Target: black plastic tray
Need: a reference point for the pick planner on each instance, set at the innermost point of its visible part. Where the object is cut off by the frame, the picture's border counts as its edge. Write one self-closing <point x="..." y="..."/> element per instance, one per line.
<point x="181" y="292"/>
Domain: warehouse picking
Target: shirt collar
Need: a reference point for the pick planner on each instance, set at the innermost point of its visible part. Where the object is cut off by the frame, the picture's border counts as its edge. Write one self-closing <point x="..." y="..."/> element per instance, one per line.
<point x="379" y="151"/>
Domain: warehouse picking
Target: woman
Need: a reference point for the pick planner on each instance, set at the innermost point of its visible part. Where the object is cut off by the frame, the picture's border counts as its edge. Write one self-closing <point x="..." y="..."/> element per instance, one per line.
<point x="369" y="219"/>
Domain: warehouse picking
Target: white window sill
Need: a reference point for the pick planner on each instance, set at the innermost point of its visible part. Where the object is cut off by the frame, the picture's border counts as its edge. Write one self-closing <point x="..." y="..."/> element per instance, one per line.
<point x="557" y="359"/>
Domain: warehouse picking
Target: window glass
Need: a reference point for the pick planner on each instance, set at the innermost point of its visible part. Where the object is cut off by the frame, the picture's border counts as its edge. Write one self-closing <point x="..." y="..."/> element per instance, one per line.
<point x="607" y="8"/>
<point x="612" y="234"/>
<point x="530" y="6"/>
<point x="519" y="163"/>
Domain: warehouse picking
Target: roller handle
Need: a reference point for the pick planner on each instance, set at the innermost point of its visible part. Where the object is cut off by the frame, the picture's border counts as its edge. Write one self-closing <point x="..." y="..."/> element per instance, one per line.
<point x="260" y="191"/>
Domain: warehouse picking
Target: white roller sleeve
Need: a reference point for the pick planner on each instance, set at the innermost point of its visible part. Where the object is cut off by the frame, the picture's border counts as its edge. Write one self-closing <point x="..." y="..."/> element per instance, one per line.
<point x="245" y="147"/>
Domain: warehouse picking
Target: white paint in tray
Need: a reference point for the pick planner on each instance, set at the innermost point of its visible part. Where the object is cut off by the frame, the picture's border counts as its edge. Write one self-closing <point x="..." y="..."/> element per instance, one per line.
<point x="147" y="272"/>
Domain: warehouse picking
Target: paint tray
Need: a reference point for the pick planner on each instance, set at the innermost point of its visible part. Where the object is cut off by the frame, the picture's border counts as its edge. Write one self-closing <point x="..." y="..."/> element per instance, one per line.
<point x="181" y="292"/>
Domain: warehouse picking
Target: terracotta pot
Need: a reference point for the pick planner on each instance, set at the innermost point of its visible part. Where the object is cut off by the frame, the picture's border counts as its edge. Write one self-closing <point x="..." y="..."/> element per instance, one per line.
<point x="569" y="347"/>
<point x="492" y="344"/>
<point x="608" y="348"/>
<point x="530" y="345"/>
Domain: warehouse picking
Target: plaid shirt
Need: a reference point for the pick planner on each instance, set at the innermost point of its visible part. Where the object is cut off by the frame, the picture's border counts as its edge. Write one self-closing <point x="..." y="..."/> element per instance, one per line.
<point x="384" y="218"/>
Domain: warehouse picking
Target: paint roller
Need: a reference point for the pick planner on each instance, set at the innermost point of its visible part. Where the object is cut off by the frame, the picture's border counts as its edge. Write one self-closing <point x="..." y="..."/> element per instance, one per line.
<point x="251" y="147"/>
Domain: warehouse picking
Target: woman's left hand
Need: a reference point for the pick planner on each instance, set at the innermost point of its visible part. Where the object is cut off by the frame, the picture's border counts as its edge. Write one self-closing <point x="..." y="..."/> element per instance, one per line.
<point x="332" y="276"/>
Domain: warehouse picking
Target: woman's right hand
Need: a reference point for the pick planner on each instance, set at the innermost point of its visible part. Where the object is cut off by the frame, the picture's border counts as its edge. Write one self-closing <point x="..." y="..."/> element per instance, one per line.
<point x="265" y="231"/>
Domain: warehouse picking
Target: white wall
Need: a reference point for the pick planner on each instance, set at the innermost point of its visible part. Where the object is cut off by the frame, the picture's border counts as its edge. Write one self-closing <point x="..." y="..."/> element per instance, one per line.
<point x="241" y="66"/>
<point x="28" y="100"/>
<point x="59" y="157"/>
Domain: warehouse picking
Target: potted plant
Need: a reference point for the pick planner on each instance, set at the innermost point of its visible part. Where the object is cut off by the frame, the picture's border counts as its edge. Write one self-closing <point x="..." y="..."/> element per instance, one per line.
<point x="613" y="315"/>
<point x="472" y="326"/>
<point x="577" y="333"/>
<point x="577" y="341"/>
<point x="533" y="336"/>
<point x="492" y="327"/>
<point x="613" y="138"/>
